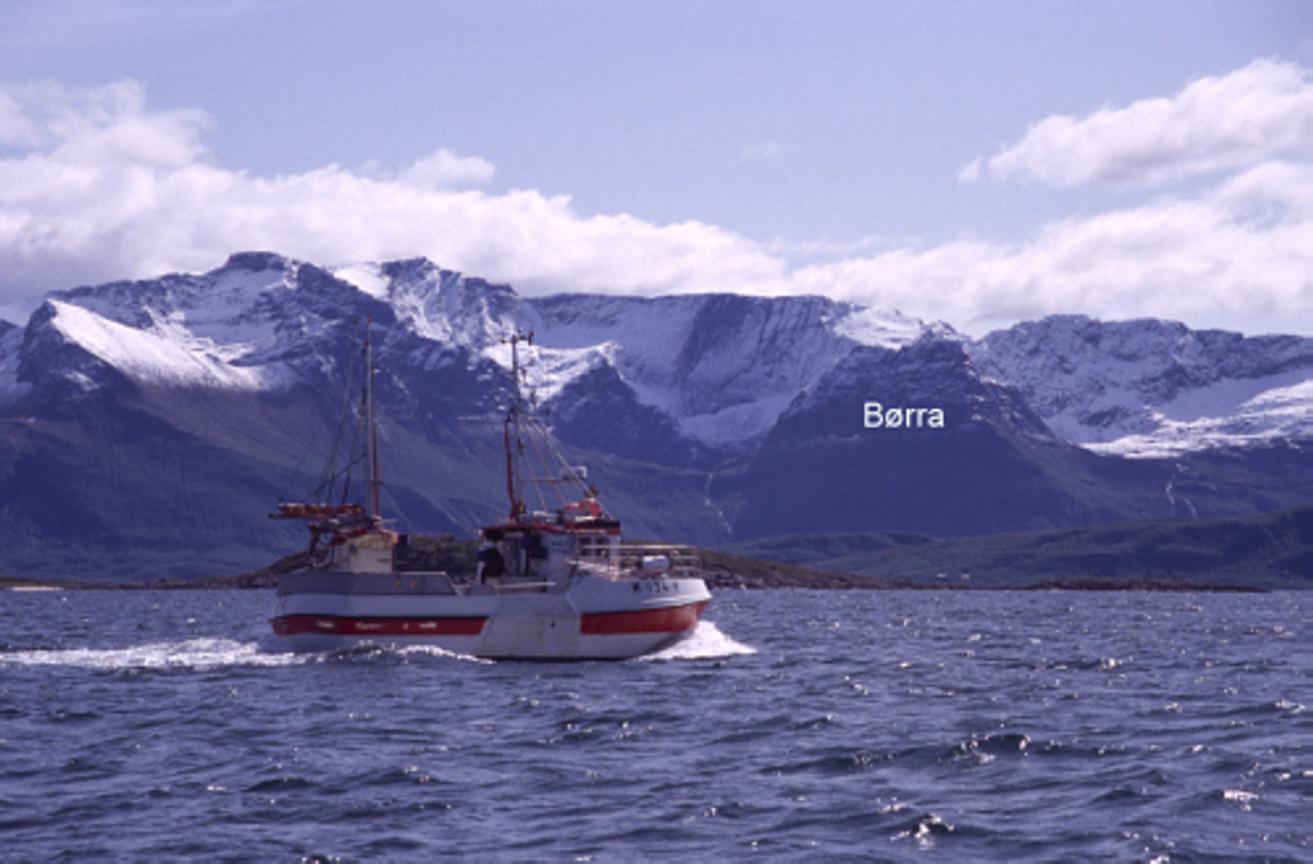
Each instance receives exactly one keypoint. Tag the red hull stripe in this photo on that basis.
(334, 625)
(673, 619)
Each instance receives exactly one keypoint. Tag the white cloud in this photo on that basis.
(103, 188)
(829, 248)
(95, 186)
(1237, 256)
(1261, 112)
(445, 169)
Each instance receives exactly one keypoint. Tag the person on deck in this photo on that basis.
(491, 564)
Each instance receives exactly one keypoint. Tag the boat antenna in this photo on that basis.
(514, 417)
(371, 436)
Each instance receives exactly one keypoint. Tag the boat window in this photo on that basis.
(510, 550)
(537, 549)
(592, 547)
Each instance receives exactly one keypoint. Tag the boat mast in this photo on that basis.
(511, 430)
(371, 437)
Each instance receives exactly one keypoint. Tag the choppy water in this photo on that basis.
(796, 726)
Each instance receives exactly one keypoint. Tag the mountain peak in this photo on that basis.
(409, 268)
(256, 261)
(888, 328)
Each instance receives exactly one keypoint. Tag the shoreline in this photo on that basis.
(716, 583)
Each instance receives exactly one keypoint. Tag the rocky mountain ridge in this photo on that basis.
(154, 421)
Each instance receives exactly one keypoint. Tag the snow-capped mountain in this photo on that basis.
(721, 367)
(1152, 388)
(155, 421)
(724, 367)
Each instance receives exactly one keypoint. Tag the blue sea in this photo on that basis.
(793, 725)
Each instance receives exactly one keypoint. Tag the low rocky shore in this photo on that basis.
(722, 571)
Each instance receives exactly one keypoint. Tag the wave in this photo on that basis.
(198, 654)
(371, 651)
(706, 642)
(210, 653)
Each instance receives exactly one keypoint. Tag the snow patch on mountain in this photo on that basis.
(167, 355)
(1278, 414)
(367, 276)
(444, 306)
(547, 371)
(886, 328)
(235, 316)
(650, 330)
(1147, 385)
(1231, 396)
(245, 311)
(737, 423)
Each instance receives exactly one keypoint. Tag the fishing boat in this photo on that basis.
(552, 582)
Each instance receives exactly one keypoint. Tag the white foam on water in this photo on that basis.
(436, 651)
(705, 642)
(199, 654)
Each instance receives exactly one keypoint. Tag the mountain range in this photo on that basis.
(149, 426)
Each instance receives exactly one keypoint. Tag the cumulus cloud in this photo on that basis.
(99, 187)
(95, 185)
(445, 169)
(1237, 256)
(1261, 112)
(81, 124)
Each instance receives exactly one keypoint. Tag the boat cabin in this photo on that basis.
(545, 547)
(367, 552)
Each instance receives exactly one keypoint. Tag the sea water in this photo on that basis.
(793, 725)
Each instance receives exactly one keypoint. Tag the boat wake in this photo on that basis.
(197, 654)
(435, 651)
(383, 650)
(704, 643)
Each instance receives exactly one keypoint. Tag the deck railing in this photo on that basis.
(643, 560)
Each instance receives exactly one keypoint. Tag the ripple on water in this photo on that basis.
(858, 732)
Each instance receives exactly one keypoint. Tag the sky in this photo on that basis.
(972, 162)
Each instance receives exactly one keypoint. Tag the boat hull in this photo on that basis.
(591, 618)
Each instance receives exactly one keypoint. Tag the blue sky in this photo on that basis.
(761, 147)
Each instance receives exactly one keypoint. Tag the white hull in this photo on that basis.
(588, 617)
